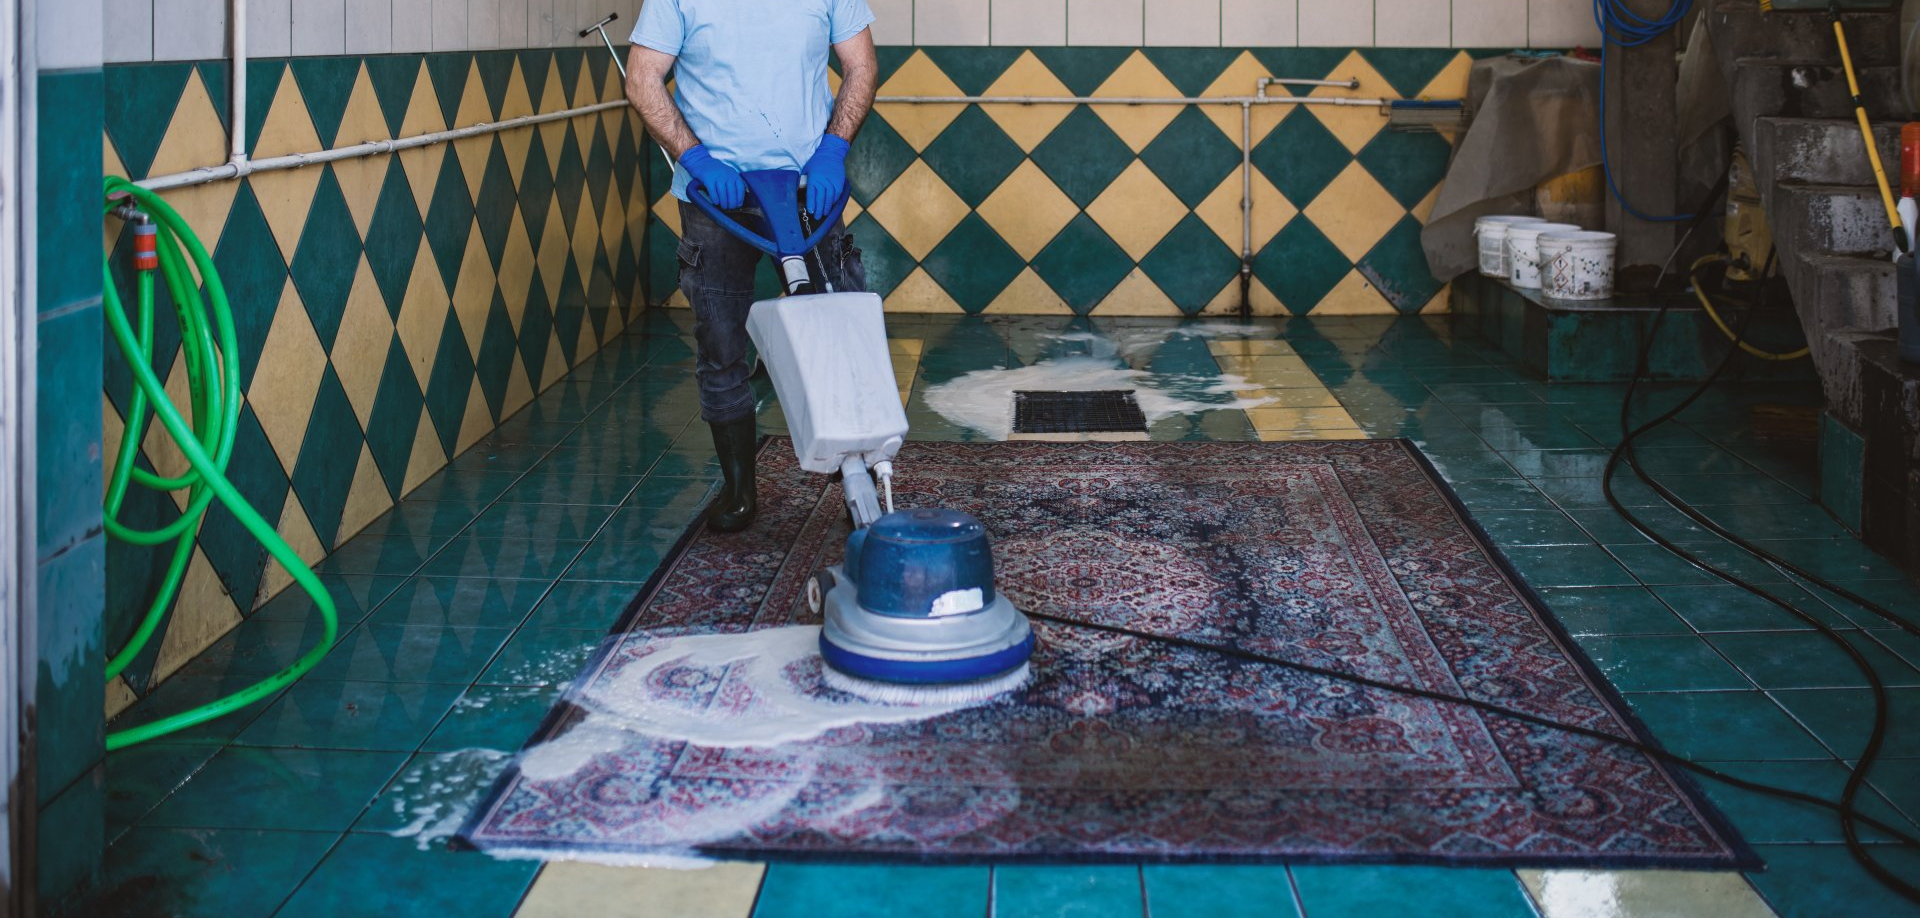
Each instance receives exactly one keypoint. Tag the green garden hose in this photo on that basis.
(213, 385)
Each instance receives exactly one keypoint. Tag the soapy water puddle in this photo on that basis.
(982, 400)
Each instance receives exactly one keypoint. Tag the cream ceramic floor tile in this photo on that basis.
(1293, 398)
(566, 890)
(1350, 433)
(1335, 418)
(1642, 894)
(1267, 348)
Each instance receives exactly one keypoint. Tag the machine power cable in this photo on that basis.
(209, 356)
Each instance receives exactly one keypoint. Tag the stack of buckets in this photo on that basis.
(1561, 260)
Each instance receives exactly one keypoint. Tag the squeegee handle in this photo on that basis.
(589, 29)
(698, 193)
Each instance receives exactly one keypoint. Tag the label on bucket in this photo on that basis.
(959, 602)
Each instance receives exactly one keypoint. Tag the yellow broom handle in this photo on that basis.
(1866, 134)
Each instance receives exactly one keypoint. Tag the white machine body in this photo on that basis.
(827, 355)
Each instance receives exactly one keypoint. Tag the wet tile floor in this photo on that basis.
(467, 609)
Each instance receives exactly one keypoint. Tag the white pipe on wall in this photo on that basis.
(237, 100)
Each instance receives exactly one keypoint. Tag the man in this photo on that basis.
(750, 93)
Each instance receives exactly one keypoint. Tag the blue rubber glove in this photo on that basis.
(826, 174)
(723, 185)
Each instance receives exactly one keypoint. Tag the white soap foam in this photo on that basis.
(983, 399)
(1138, 340)
(435, 795)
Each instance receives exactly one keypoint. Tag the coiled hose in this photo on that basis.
(213, 384)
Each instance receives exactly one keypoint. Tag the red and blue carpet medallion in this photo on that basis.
(1348, 555)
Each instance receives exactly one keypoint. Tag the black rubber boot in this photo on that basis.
(735, 442)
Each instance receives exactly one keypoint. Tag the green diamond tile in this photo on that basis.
(1192, 70)
(1408, 165)
(494, 365)
(263, 84)
(597, 65)
(627, 157)
(1301, 157)
(1083, 68)
(1409, 70)
(494, 206)
(1191, 265)
(496, 71)
(213, 75)
(533, 66)
(973, 68)
(1082, 264)
(568, 60)
(449, 384)
(327, 258)
(325, 85)
(536, 327)
(1397, 267)
(255, 470)
(1302, 64)
(1300, 266)
(887, 263)
(536, 191)
(393, 77)
(321, 478)
(449, 220)
(891, 58)
(973, 156)
(973, 263)
(448, 71)
(1191, 156)
(393, 237)
(250, 267)
(140, 101)
(1082, 155)
(395, 419)
(599, 163)
(569, 177)
(878, 157)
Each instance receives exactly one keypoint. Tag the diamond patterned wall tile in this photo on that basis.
(1191, 157)
(973, 156)
(1137, 125)
(1408, 165)
(139, 107)
(1300, 156)
(918, 210)
(1028, 210)
(1353, 296)
(327, 257)
(1397, 267)
(920, 293)
(326, 84)
(1137, 210)
(879, 158)
(366, 328)
(1027, 125)
(422, 314)
(1354, 125)
(1354, 211)
(252, 272)
(1083, 264)
(1083, 69)
(1221, 211)
(1241, 78)
(280, 398)
(973, 264)
(918, 125)
(1191, 265)
(396, 414)
(1300, 266)
(1083, 155)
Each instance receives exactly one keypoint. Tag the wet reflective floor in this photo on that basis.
(468, 608)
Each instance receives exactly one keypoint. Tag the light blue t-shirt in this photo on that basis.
(751, 75)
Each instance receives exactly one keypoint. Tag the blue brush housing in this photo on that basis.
(920, 563)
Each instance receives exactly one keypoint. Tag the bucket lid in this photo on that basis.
(1576, 237)
(1506, 220)
(1541, 228)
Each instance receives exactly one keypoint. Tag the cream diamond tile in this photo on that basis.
(1272, 417)
(611, 89)
(552, 99)
(1136, 295)
(1293, 398)
(919, 210)
(518, 102)
(473, 151)
(1138, 125)
(585, 346)
(1221, 211)
(1643, 894)
(360, 346)
(423, 163)
(473, 291)
(361, 178)
(1424, 209)
(919, 124)
(613, 227)
(1264, 302)
(1351, 433)
(1028, 125)
(1257, 348)
(292, 362)
(586, 238)
(476, 422)
(556, 362)
(428, 455)
(288, 127)
(516, 270)
(195, 138)
(519, 388)
(667, 210)
(423, 314)
(922, 294)
(202, 613)
(1441, 303)
(567, 889)
(552, 257)
(297, 531)
(1028, 295)
(285, 197)
(1227, 301)
(1028, 210)
(1353, 296)
(584, 92)
(157, 445)
(1451, 81)
(1354, 212)
(120, 696)
(853, 211)
(1354, 125)
(1241, 78)
(1137, 210)
(367, 497)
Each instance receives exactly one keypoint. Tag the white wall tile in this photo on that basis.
(413, 25)
(585, 13)
(540, 24)
(1105, 22)
(129, 31)
(319, 27)
(449, 25)
(189, 30)
(951, 22)
(1261, 23)
(892, 21)
(269, 28)
(1183, 22)
(1029, 22)
(513, 23)
(1414, 23)
(483, 24)
(1490, 23)
(1336, 23)
(1559, 24)
(370, 26)
(68, 34)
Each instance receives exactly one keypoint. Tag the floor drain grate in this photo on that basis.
(1105, 411)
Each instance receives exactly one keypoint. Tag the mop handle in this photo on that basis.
(698, 194)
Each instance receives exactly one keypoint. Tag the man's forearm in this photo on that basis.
(855, 100)
(647, 92)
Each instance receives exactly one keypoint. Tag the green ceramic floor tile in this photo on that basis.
(257, 649)
(625, 562)
(1842, 718)
(562, 488)
(139, 777)
(1742, 726)
(465, 487)
(248, 787)
(384, 716)
(378, 875)
(1218, 891)
(436, 601)
(1369, 892)
(1532, 527)
(1611, 610)
(1067, 892)
(1661, 663)
(1486, 495)
(234, 873)
(1901, 599)
(433, 794)
(1725, 607)
(502, 559)
(413, 517)
(354, 595)
(583, 605)
(412, 653)
(1568, 566)
(1764, 819)
(492, 717)
(1556, 463)
(1822, 881)
(1805, 659)
(1655, 565)
(546, 656)
(667, 492)
(186, 692)
(873, 891)
(398, 557)
(540, 522)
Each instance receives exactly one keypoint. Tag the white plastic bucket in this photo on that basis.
(1523, 251)
(1576, 265)
(1491, 232)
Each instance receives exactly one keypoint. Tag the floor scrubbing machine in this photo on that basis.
(912, 614)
